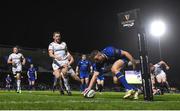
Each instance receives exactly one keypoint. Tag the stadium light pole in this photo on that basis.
(157, 29)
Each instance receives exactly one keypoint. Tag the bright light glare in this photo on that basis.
(157, 28)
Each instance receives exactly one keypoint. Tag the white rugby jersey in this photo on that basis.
(157, 69)
(16, 58)
(59, 50)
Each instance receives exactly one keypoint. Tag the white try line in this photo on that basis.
(81, 101)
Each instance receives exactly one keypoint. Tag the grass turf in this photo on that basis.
(106, 101)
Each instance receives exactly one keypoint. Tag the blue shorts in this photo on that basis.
(84, 75)
(100, 77)
(32, 79)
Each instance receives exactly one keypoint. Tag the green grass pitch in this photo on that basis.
(106, 101)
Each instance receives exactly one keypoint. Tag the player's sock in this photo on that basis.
(81, 87)
(60, 85)
(166, 85)
(18, 84)
(122, 79)
(100, 87)
(66, 84)
(162, 88)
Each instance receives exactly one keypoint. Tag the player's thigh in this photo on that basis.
(57, 73)
(117, 66)
(64, 70)
(159, 78)
(33, 82)
(82, 80)
(98, 81)
(87, 80)
(18, 75)
(153, 79)
(164, 79)
(115, 80)
(102, 82)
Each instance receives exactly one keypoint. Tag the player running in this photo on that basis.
(83, 68)
(59, 53)
(161, 75)
(17, 59)
(32, 76)
(119, 58)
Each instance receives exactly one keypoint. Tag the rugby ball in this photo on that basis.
(90, 93)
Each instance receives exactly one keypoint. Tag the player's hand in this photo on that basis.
(167, 68)
(77, 73)
(58, 58)
(133, 63)
(13, 63)
(86, 90)
(23, 63)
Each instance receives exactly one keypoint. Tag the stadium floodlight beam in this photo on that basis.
(157, 28)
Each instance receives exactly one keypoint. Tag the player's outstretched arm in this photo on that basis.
(129, 56)
(164, 63)
(23, 60)
(70, 58)
(9, 61)
(93, 79)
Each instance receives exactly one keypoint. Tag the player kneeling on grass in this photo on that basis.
(32, 76)
(119, 59)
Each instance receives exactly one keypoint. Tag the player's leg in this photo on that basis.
(57, 74)
(160, 83)
(102, 85)
(115, 82)
(66, 84)
(32, 84)
(98, 84)
(165, 83)
(116, 69)
(18, 78)
(82, 85)
(54, 83)
(86, 81)
(82, 76)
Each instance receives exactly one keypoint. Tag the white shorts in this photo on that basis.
(70, 71)
(161, 75)
(58, 64)
(17, 69)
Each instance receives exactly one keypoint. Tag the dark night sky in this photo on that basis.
(88, 25)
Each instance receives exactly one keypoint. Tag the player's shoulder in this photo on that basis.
(51, 44)
(19, 54)
(108, 48)
(11, 54)
(63, 43)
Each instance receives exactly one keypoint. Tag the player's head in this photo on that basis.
(57, 36)
(97, 56)
(83, 57)
(31, 65)
(15, 49)
(8, 75)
